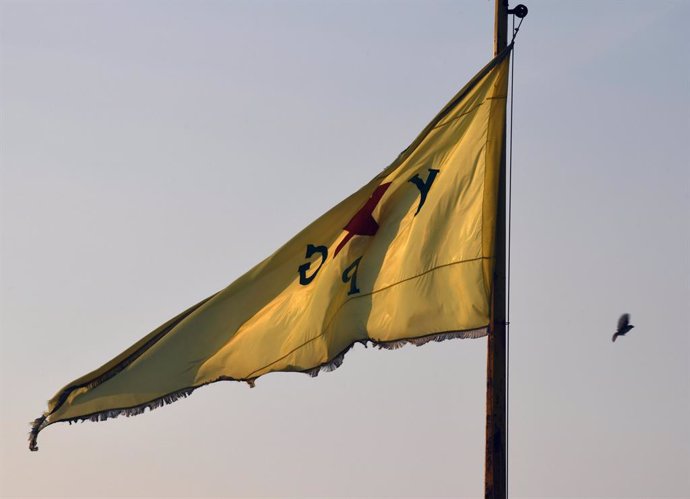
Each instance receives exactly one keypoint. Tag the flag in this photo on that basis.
(407, 258)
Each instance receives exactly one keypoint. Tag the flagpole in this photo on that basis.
(496, 458)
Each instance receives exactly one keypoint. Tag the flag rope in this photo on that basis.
(510, 219)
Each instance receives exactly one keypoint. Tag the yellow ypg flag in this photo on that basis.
(406, 258)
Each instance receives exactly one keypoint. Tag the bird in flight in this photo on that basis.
(623, 326)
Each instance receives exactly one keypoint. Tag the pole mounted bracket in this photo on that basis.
(520, 11)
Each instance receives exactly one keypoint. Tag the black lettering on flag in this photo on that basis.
(304, 279)
(350, 275)
(424, 186)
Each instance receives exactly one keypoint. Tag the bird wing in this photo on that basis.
(623, 321)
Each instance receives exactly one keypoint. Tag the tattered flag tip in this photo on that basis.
(36, 426)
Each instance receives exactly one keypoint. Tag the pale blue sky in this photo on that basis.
(152, 151)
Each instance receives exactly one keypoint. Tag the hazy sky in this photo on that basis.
(152, 151)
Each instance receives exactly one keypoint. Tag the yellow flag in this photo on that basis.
(407, 258)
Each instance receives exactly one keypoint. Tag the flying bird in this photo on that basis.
(623, 326)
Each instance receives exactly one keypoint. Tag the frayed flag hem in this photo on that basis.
(41, 422)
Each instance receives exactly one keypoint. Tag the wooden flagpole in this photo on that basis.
(496, 458)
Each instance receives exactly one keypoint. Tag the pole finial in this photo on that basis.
(520, 11)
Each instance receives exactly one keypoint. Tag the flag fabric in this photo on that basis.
(407, 258)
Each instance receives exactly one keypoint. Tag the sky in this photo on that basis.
(152, 152)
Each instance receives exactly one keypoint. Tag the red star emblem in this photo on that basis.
(363, 223)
